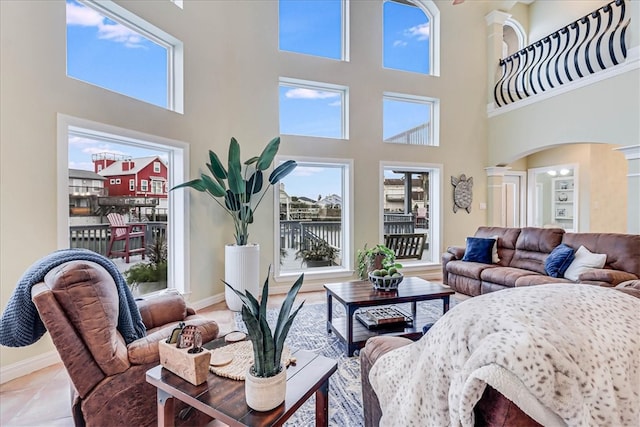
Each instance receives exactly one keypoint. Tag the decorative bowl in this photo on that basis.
(387, 283)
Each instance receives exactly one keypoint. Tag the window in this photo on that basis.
(83, 145)
(313, 217)
(118, 181)
(132, 185)
(407, 37)
(410, 119)
(112, 181)
(314, 27)
(411, 205)
(313, 109)
(156, 187)
(156, 167)
(110, 47)
(144, 185)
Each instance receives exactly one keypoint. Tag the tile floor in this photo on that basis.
(43, 397)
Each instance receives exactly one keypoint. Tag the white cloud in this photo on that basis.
(421, 32)
(335, 103)
(306, 171)
(399, 43)
(107, 30)
(103, 148)
(86, 166)
(302, 93)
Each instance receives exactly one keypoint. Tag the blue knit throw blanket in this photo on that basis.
(21, 324)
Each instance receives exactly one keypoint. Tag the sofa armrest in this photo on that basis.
(162, 309)
(611, 277)
(456, 251)
(373, 350)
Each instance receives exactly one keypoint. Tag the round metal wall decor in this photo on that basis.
(462, 192)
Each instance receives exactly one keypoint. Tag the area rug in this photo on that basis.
(309, 332)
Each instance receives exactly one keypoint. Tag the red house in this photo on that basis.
(128, 177)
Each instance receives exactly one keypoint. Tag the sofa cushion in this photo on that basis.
(505, 276)
(478, 250)
(559, 260)
(468, 269)
(584, 260)
(506, 242)
(533, 246)
(539, 279)
(623, 250)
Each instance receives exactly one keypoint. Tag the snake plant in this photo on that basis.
(267, 345)
(240, 192)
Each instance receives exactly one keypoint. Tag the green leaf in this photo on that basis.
(236, 183)
(279, 345)
(232, 201)
(196, 184)
(252, 160)
(254, 185)
(257, 338)
(216, 167)
(286, 306)
(212, 186)
(269, 152)
(282, 170)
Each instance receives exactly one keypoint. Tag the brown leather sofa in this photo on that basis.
(78, 303)
(523, 251)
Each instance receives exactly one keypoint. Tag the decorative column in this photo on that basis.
(632, 154)
(495, 23)
(496, 211)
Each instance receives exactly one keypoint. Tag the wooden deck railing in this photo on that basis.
(96, 237)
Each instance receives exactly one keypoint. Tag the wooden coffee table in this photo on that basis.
(224, 399)
(355, 295)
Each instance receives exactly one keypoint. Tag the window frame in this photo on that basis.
(325, 87)
(144, 186)
(434, 131)
(436, 197)
(174, 47)
(132, 185)
(178, 274)
(347, 251)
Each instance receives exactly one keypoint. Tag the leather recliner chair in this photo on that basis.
(78, 303)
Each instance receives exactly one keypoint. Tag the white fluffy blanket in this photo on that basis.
(565, 354)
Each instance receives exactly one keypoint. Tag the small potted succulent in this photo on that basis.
(266, 379)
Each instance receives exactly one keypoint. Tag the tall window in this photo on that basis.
(313, 109)
(407, 37)
(411, 205)
(313, 206)
(110, 47)
(106, 154)
(314, 27)
(410, 119)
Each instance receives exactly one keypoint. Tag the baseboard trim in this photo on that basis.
(28, 366)
(215, 299)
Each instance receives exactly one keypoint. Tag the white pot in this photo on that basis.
(242, 271)
(264, 394)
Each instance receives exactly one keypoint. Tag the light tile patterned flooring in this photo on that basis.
(43, 398)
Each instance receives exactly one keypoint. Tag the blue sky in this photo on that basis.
(107, 54)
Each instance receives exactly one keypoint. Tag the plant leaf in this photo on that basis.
(282, 170)
(254, 185)
(212, 186)
(257, 338)
(216, 167)
(232, 201)
(267, 155)
(252, 160)
(236, 183)
(279, 339)
(196, 184)
(286, 306)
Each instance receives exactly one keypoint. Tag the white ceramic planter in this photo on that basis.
(264, 394)
(242, 271)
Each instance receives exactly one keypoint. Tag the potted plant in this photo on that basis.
(317, 253)
(376, 258)
(265, 383)
(238, 189)
(152, 274)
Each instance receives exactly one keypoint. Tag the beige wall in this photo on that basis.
(602, 183)
(232, 66)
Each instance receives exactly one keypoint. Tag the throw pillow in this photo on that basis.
(559, 260)
(583, 261)
(478, 250)
(494, 252)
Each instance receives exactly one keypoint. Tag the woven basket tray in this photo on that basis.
(242, 358)
(385, 283)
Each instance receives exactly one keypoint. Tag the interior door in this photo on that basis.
(513, 214)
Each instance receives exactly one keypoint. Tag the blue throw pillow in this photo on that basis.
(478, 250)
(559, 260)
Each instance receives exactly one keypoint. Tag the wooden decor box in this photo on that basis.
(192, 367)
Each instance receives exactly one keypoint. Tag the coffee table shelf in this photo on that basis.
(355, 295)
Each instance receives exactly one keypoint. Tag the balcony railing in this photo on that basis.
(96, 237)
(592, 43)
(83, 190)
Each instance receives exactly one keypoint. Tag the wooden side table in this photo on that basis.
(224, 399)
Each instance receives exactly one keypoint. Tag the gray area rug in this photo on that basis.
(309, 333)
